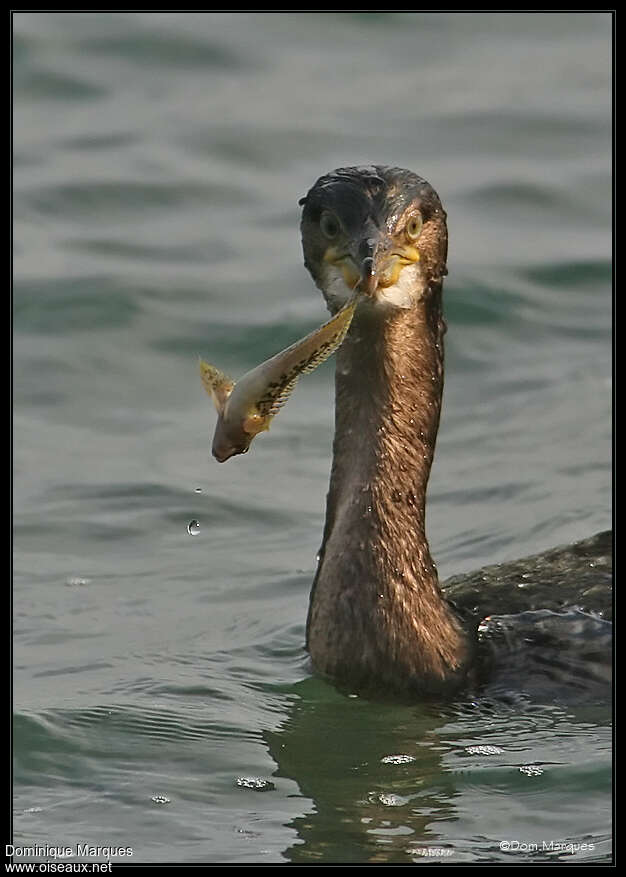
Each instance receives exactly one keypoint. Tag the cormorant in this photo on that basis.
(378, 617)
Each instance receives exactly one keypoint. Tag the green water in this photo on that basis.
(158, 161)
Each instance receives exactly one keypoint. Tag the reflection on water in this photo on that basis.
(401, 783)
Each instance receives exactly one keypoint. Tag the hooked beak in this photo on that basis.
(373, 263)
(380, 262)
(367, 255)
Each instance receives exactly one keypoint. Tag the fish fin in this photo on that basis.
(280, 397)
(255, 423)
(334, 331)
(217, 384)
(305, 356)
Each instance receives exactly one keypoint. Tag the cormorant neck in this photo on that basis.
(377, 613)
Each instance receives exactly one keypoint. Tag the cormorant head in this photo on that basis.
(380, 228)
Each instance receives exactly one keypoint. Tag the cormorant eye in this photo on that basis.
(414, 226)
(329, 225)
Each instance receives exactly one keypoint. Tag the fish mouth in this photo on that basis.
(222, 454)
(224, 446)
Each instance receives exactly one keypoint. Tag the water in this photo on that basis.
(162, 697)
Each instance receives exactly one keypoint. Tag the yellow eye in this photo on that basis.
(414, 226)
(329, 225)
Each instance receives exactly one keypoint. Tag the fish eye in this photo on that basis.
(329, 225)
(414, 226)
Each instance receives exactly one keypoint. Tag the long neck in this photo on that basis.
(376, 610)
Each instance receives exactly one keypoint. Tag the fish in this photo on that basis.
(247, 407)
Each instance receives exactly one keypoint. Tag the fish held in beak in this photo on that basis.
(247, 407)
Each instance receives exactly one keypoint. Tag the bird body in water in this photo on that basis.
(378, 617)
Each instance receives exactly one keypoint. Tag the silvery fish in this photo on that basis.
(247, 407)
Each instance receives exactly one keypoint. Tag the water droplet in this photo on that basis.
(484, 750)
(396, 496)
(257, 784)
(193, 528)
(397, 759)
(75, 581)
(391, 800)
(531, 770)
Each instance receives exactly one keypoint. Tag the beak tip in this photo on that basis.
(369, 278)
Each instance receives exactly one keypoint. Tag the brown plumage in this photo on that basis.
(377, 616)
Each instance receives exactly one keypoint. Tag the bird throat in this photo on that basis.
(377, 616)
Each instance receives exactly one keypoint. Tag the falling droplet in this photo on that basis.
(73, 581)
(193, 528)
(257, 784)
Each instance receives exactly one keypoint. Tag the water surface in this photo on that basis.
(158, 161)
